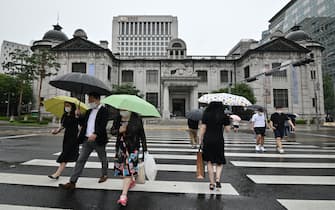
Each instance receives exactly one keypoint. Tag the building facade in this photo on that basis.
(174, 83)
(143, 36)
(8, 47)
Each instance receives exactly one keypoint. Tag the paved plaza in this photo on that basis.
(302, 178)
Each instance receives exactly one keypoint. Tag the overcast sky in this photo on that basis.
(209, 27)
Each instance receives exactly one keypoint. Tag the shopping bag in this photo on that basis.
(150, 167)
(140, 179)
(200, 174)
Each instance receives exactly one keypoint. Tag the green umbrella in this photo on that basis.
(132, 103)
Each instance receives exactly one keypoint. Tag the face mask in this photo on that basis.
(67, 109)
(92, 105)
(125, 113)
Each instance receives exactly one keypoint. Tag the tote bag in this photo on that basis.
(150, 167)
(140, 179)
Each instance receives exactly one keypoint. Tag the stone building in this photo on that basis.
(174, 83)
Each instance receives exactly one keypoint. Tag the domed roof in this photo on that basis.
(297, 34)
(55, 35)
(80, 33)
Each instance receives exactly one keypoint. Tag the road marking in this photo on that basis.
(95, 165)
(17, 207)
(307, 204)
(116, 184)
(228, 154)
(18, 136)
(282, 164)
(288, 179)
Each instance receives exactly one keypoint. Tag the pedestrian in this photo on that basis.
(130, 134)
(193, 126)
(70, 151)
(211, 136)
(258, 125)
(93, 136)
(277, 124)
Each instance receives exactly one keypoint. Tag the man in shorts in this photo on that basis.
(258, 124)
(277, 124)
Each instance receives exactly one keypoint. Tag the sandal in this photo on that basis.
(218, 185)
(211, 186)
(122, 200)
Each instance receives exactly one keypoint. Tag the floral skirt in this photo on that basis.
(125, 164)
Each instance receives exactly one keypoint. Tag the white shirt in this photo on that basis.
(91, 121)
(258, 120)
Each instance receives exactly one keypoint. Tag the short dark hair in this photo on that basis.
(94, 95)
(260, 109)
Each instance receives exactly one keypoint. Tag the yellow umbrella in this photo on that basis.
(55, 105)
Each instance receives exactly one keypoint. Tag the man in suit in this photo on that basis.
(93, 136)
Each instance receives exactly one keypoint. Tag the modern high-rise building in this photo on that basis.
(8, 47)
(143, 36)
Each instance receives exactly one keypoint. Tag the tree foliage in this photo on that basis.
(240, 89)
(328, 92)
(126, 89)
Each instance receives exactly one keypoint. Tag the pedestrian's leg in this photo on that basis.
(191, 133)
(279, 144)
(218, 172)
(123, 197)
(60, 169)
(210, 174)
(82, 159)
(101, 150)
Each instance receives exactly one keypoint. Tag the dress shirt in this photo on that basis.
(91, 121)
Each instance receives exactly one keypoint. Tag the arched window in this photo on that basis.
(176, 45)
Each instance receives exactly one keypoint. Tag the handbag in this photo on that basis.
(140, 179)
(200, 173)
(150, 167)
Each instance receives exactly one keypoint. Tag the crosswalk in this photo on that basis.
(174, 154)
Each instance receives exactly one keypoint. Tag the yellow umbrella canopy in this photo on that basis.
(55, 105)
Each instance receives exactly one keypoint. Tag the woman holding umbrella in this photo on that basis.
(130, 133)
(70, 150)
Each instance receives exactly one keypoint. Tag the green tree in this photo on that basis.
(126, 89)
(328, 92)
(44, 65)
(240, 89)
(20, 68)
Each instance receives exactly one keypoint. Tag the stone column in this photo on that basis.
(194, 98)
(166, 102)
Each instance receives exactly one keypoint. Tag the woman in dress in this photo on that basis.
(211, 136)
(130, 134)
(70, 151)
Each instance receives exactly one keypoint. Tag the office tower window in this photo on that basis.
(127, 76)
(152, 98)
(246, 72)
(202, 75)
(152, 76)
(280, 98)
(224, 76)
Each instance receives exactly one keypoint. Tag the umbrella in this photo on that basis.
(255, 107)
(132, 103)
(80, 83)
(55, 105)
(290, 115)
(195, 114)
(235, 117)
(225, 98)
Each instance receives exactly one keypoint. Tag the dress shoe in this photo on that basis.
(68, 186)
(103, 179)
(53, 177)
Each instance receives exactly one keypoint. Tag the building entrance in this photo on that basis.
(178, 107)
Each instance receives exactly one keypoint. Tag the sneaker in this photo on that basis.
(103, 179)
(257, 148)
(280, 150)
(263, 149)
(122, 200)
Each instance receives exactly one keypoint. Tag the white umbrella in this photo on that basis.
(225, 98)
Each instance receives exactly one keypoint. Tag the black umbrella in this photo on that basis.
(195, 114)
(80, 83)
(292, 116)
(255, 107)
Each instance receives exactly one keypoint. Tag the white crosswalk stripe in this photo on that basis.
(18, 207)
(291, 204)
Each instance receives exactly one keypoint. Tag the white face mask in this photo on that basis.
(125, 113)
(67, 109)
(92, 105)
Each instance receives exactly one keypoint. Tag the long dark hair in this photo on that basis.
(73, 108)
(216, 111)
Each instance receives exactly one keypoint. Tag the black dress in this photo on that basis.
(70, 151)
(213, 141)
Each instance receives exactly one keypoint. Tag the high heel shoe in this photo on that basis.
(53, 177)
(218, 184)
(211, 186)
